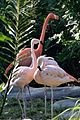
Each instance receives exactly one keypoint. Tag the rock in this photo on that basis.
(64, 104)
(35, 93)
(69, 115)
(58, 92)
(63, 92)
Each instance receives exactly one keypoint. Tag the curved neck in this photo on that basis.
(41, 64)
(50, 16)
(34, 61)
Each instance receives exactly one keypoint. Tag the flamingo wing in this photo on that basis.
(21, 76)
(54, 76)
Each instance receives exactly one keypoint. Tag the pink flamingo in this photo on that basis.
(23, 75)
(51, 75)
(24, 56)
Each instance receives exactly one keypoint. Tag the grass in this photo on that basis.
(12, 110)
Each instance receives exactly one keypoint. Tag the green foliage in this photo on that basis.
(12, 109)
(1, 87)
(16, 29)
(69, 57)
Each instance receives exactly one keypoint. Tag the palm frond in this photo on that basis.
(16, 31)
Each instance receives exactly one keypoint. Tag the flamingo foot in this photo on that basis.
(24, 116)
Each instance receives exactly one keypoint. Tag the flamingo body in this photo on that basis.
(51, 74)
(24, 77)
(55, 76)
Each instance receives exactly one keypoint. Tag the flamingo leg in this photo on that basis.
(18, 95)
(45, 93)
(51, 102)
(30, 96)
(24, 105)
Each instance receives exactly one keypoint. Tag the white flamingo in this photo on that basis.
(51, 75)
(37, 76)
(24, 75)
(47, 61)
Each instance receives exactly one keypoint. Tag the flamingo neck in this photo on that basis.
(50, 16)
(41, 64)
(34, 61)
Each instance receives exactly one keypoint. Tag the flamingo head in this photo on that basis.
(43, 59)
(40, 59)
(35, 41)
(53, 16)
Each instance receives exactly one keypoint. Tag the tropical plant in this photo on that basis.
(16, 31)
(69, 57)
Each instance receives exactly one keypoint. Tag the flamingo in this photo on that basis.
(48, 61)
(51, 75)
(24, 56)
(23, 75)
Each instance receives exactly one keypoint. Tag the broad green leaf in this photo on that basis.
(4, 38)
(2, 86)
